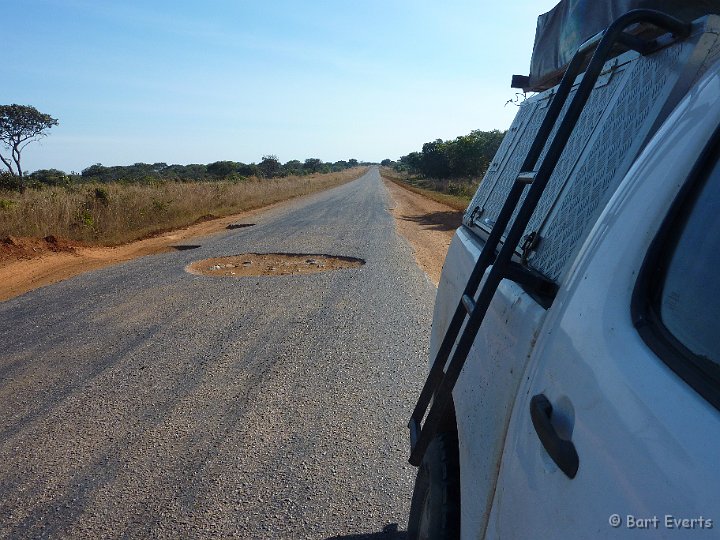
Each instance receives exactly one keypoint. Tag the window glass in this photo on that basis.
(690, 296)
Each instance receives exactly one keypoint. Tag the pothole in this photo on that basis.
(271, 264)
(239, 225)
(183, 247)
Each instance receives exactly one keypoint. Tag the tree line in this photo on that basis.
(22, 124)
(269, 167)
(467, 156)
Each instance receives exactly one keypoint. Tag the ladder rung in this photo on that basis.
(469, 304)
(526, 177)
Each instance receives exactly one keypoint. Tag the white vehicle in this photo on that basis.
(575, 356)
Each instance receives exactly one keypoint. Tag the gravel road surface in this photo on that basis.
(141, 401)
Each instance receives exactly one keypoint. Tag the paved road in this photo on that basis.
(143, 401)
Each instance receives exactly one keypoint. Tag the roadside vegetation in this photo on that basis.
(432, 189)
(447, 171)
(109, 206)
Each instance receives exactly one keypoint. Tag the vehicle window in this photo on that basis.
(689, 298)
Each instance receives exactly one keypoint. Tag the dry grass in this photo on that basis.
(458, 202)
(111, 214)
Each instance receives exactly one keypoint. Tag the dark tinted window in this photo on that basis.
(689, 299)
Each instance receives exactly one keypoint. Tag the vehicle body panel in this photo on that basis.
(646, 440)
(485, 391)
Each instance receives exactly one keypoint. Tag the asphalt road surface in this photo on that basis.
(143, 401)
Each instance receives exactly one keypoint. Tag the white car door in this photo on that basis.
(616, 429)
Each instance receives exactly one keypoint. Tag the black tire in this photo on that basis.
(435, 506)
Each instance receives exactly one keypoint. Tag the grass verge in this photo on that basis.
(427, 189)
(116, 213)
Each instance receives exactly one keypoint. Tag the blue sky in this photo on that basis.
(195, 82)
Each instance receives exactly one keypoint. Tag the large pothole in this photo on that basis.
(271, 264)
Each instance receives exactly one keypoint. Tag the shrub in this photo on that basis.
(9, 181)
(6, 204)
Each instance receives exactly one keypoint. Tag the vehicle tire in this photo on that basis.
(435, 506)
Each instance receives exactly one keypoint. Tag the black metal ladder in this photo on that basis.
(440, 382)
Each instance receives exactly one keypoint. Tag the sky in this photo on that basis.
(180, 81)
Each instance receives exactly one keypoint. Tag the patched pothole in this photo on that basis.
(271, 264)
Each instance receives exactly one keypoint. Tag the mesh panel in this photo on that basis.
(630, 100)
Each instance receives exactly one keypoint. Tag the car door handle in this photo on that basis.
(561, 451)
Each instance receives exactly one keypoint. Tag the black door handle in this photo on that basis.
(562, 452)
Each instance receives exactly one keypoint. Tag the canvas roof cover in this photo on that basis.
(568, 25)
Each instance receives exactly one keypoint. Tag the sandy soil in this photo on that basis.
(427, 225)
(29, 263)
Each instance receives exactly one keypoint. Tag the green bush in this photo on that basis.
(7, 204)
(9, 181)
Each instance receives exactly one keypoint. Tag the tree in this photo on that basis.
(312, 165)
(247, 170)
(412, 162)
(96, 170)
(467, 156)
(221, 168)
(50, 177)
(269, 166)
(19, 126)
(294, 166)
(435, 163)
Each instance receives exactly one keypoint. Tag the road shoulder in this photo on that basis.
(427, 225)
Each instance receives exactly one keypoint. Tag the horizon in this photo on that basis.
(179, 84)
